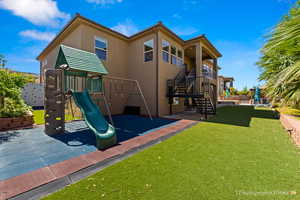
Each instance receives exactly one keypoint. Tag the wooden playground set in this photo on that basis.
(79, 79)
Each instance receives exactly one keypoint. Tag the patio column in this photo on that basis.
(215, 76)
(215, 67)
(198, 67)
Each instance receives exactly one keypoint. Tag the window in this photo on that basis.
(173, 55)
(101, 48)
(166, 51)
(148, 50)
(179, 58)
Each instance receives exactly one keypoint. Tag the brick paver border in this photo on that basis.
(51, 178)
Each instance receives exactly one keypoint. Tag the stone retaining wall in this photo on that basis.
(292, 125)
(16, 123)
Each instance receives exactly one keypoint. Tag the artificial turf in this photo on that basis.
(241, 153)
(38, 117)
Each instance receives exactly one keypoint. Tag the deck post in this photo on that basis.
(171, 105)
(198, 67)
(216, 89)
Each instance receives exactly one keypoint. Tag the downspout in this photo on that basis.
(157, 76)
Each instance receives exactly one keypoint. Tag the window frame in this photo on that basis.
(164, 51)
(148, 51)
(174, 55)
(181, 59)
(99, 48)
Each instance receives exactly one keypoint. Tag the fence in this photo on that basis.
(33, 94)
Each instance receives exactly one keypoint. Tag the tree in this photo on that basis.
(2, 61)
(244, 91)
(11, 102)
(280, 61)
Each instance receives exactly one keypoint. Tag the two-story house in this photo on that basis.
(173, 73)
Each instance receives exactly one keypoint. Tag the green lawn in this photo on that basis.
(241, 153)
(38, 117)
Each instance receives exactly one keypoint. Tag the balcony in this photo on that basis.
(211, 74)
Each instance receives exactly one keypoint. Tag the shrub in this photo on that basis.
(289, 111)
(11, 102)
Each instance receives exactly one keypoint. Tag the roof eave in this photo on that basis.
(158, 26)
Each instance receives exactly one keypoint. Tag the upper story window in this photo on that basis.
(148, 50)
(179, 58)
(173, 55)
(101, 48)
(166, 51)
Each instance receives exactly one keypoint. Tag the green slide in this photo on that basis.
(104, 132)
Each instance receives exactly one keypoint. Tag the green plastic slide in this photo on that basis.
(104, 132)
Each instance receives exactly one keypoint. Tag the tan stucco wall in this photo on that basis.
(190, 64)
(126, 60)
(144, 72)
(73, 40)
(167, 71)
(116, 62)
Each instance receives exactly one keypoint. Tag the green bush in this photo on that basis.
(11, 102)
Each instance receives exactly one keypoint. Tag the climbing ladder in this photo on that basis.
(54, 102)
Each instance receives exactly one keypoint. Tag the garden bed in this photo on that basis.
(16, 122)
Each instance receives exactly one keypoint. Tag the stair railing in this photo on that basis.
(180, 77)
(173, 83)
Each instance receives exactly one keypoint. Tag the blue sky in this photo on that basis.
(237, 28)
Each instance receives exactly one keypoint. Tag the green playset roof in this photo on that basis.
(77, 59)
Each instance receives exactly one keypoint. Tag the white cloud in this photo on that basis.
(38, 12)
(184, 31)
(127, 28)
(104, 2)
(37, 35)
(176, 16)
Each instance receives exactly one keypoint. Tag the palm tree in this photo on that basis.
(280, 61)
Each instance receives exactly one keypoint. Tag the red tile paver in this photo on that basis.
(20, 184)
(70, 166)
(96, 156)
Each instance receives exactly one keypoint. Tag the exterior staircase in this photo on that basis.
(183, 85)
(204, 106)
